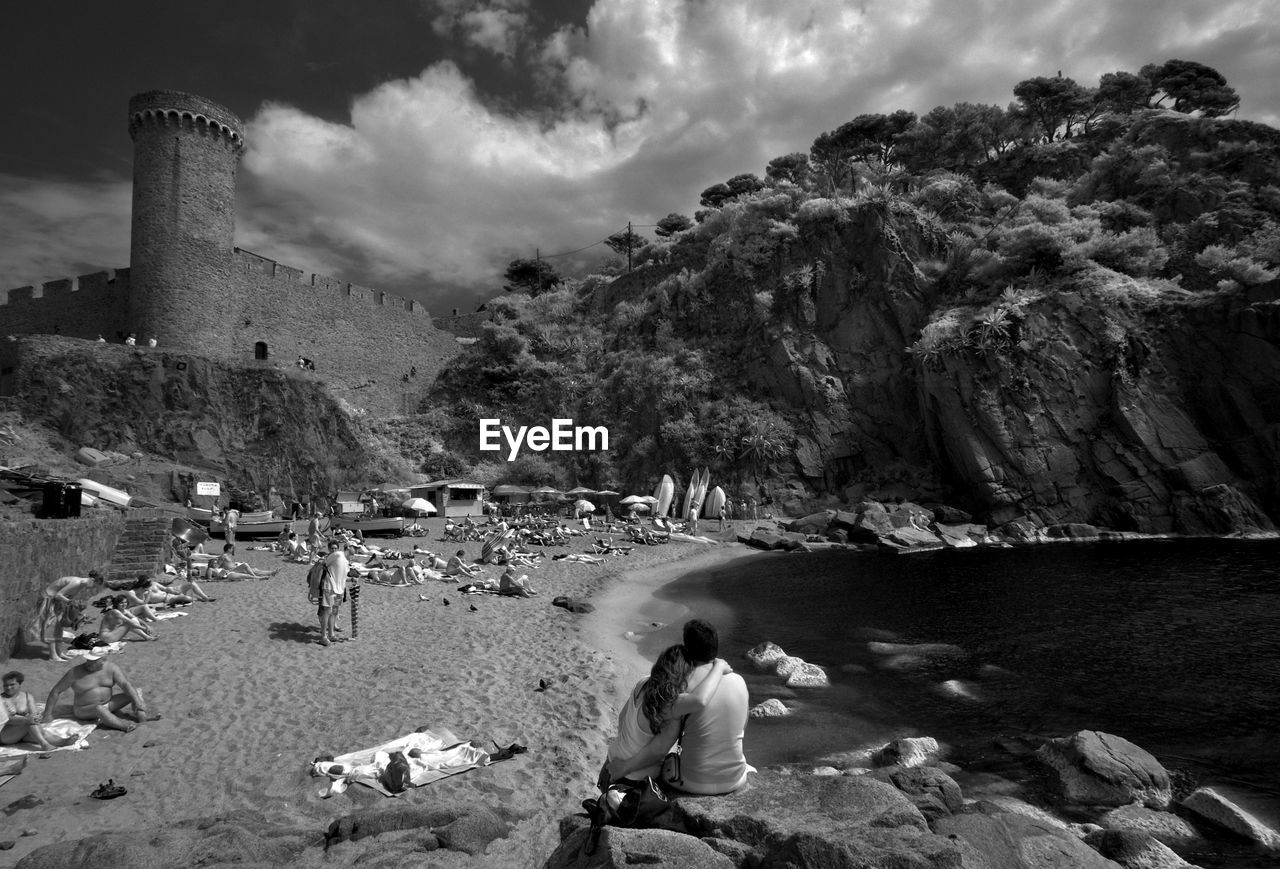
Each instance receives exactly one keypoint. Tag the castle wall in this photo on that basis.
(362, 341)
(84, 307)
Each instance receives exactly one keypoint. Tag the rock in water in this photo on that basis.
(1223, 807)
(914, 751)
(1100, 769)
(765, 654)
(807, 676)
(787, 665)
(771, 708)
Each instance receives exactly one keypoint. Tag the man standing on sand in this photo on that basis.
(332, 590)
(711, 759)
(229, 521)
(93, 683)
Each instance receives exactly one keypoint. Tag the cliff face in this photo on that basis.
(258, 428)
(1102, 398)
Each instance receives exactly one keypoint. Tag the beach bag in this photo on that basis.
(671, 773)
(635, 806)
(315, 581)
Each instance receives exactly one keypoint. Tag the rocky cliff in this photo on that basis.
(1091, 397)
(257, 428)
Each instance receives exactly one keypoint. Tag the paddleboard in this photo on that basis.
(714, 504)
(700, 492)
(694, 477)
(665, 493)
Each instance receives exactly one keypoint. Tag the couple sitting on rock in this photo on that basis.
(689, 690)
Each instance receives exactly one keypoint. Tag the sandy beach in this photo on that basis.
(249, 698)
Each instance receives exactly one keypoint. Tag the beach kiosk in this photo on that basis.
(452, 497)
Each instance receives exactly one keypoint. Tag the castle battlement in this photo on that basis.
(186, 111)
(65, 288)
(288, 276)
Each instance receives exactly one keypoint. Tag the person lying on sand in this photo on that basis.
(146, 593)
(18, 721)
(119, 624)
(184, 586)
(226, 567)
(579, 557)
(515, 586)
(93, 682)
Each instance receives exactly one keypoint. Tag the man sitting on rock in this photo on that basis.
(712, 761)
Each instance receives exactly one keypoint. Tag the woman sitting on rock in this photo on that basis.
(653, 712)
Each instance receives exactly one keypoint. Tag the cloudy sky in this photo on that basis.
(420, 145)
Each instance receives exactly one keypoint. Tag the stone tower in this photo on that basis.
(185, 153)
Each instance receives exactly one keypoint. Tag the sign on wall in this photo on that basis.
(208, 489)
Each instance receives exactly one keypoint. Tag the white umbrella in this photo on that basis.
(633, 499)
(584, 506)
(640, 507)
(580, 490)
(419, 505)
(608, 492)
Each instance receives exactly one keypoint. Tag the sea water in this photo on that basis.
(1173, 645)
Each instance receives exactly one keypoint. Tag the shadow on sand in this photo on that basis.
(294, 631)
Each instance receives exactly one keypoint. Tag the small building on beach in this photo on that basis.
(452, 497)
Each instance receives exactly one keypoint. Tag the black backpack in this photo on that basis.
(636, 806)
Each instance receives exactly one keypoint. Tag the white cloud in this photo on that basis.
(432, 185)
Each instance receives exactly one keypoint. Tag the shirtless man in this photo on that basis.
(93, 682)
(62, 601)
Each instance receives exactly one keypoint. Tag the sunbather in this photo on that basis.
(456, 567)
(515, 586)
(227, 568)
(120, 624)
(18, 721)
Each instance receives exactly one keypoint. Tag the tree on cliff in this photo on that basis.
(1123, 92)
(956, 137)
(789, 167)
(671, 224)
(534, 276)
(1053, 103)
(865, 138)
(1192, 86)
(626, 242)
(739, 185)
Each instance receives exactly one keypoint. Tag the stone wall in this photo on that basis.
(35, 552)
(84, 307)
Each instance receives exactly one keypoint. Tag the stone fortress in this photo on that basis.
(191, 289)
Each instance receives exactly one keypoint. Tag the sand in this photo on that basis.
(249, 699)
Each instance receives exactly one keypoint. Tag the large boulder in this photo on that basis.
(909, 515)
(1011, 841)
(821, 821)
(814, 523)
(1099, 769)
(619, 848)
(1135, 850)
(1164, 826)
(930, 789)
(912, 537)
(909, 752)
(1231, 809)
(1077, 531)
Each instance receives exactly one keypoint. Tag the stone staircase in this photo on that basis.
(141, 547)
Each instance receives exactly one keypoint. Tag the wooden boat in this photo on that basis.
(366, 525)
(204, 516)
(105, 493)
(252, 529)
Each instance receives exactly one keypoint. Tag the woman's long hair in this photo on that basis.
(666, 680)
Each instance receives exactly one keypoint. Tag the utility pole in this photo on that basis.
(630, 238)
(537, 258)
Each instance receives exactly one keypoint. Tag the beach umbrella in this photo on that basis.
(640, 507)
(493, 541)
(584, 506)
(649, 499)
(507, 489)
(580, 490)
(546, 490)
(419, 505)
(607, 492)
(632, 499)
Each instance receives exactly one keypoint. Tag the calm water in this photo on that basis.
(1172, 645)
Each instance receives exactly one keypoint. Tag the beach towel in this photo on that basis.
(160, 617)
(440, 754)
(56, 730)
